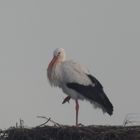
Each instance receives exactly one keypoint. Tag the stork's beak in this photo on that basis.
(52, 62)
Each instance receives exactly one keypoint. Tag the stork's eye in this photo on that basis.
(59, 53)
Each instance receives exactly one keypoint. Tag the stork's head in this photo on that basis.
(59, 54)
(58, 57)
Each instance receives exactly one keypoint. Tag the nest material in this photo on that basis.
(72, 133)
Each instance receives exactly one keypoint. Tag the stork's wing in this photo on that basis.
(93, 93)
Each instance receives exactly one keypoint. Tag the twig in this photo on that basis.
(43, 124)
(129, 117)
(48, 119)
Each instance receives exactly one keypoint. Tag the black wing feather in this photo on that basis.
(93, 93)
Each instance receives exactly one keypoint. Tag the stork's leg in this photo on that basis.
(66, 99)
(77, 110)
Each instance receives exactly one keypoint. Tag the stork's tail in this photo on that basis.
(100, 95)
(106, 104)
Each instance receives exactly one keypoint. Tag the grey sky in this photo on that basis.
(102, 35)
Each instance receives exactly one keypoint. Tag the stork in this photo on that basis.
(77, 82)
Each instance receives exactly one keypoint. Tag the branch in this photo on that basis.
(48, 120)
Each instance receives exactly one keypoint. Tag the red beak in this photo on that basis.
(52, 62)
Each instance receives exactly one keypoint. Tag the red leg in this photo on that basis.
(77, 110)
(66, 99)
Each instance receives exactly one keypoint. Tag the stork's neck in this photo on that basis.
(60, 60)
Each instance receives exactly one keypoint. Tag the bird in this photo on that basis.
(77, 83)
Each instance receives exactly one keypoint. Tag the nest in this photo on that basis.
(72, 133)
(61, 132)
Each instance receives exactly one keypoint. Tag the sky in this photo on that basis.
(102, 35)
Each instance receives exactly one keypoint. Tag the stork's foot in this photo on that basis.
(79, 125)
(67, 99)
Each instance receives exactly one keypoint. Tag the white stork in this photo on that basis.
(76, 81)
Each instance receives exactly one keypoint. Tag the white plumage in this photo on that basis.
(76, 81)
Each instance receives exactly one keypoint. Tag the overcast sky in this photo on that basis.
(103, 35)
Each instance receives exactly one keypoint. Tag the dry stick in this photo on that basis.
(43, 124)
(128, 117)
(48, 119)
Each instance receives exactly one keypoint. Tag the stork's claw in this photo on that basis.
(67, 99)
